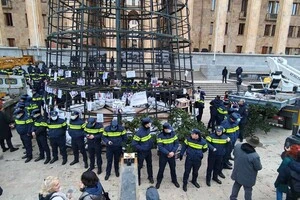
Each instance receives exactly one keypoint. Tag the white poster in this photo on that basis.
(100, 117)
(59, 94)
(73, 94)
(68, 74)
(60, 72)
(89, 106)
(105, 75)
(130, 74)
(186, 73)
(139, 98)
(49, 74)
(80, 81)
(55, 76)
(82, 94)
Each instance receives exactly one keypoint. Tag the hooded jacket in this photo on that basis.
(246, 165)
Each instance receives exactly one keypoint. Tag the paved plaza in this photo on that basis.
(22, 181)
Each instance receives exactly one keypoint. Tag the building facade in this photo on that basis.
(228, 26)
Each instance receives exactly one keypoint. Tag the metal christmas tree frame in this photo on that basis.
(149, 41)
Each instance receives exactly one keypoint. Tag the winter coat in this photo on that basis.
(218, 142)
(281, 183)
(116, 137)
(194, 148)
(24, 125)
(92, 193)
(56, 128)
(243, 111)
(76, 128)
(142, 140)
(5, 132)
(246, 165)
(167, 142)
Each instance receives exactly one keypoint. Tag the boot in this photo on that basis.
(74, 162)
(5, 149)
(184, 187)
(64, 161)
(24, 157)
(47, 161)
(176, 184)
(28, 159)
(217, 180)
(157, 185)
(208, 183)
(86, 165)
(222, 175)
(106, 177)
(53, 160)
(151, 180)
(117, 174)
(99, 171)
(38, 159)
(91, 168)
(195, 184)
(13, 149)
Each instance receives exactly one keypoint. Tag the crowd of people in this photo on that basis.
(226, 124)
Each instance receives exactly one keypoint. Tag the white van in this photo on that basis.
(13, 85)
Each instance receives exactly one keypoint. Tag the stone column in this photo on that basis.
(282, 26)
(219, 25)
(252, 23)
(35, 23)
(2, 25)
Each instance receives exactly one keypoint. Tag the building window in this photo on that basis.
(229, 6)
(295, 9)
(270, 30)
(298, 33)
(26, 20)
(11, 42)
(213, 4)
(273, 7)
(8, 19)
(291, 31)
(46, 44)
(287, 50)
(211, 28)
(241, 29)
(264, 50)
(226, 28)
(244, 6)
(28, 42)
(224, 48)
(209, 47)
(239, 49)
(44, 1)
(267, 30)
(45, 19)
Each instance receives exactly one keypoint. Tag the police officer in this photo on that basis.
(37, 99)
(143, 143)
(93, 132)
(39, 130)
(217, 148)
(57, 135)
(114, 137)
(23, 124)
(75, 129)
(168, 144)
(195, 146)
(214, 105)
(230, 129)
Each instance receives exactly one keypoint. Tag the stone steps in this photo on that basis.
(212, 89)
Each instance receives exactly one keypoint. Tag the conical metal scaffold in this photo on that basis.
(131, 56)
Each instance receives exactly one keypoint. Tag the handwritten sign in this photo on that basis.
(139, 98)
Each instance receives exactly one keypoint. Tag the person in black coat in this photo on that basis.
(5, 133)
(224, 75)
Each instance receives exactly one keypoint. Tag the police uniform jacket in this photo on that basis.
(39, 126)
(142, 140)
(218, 142)
(167, 142)
(97, 131)
(56, 128)
(230, 127)
(194, 148)
(37, 99)
(24, 124)
(76, 128)
(116, 137)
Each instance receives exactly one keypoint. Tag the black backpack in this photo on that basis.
(295, 181)
(48, 197)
